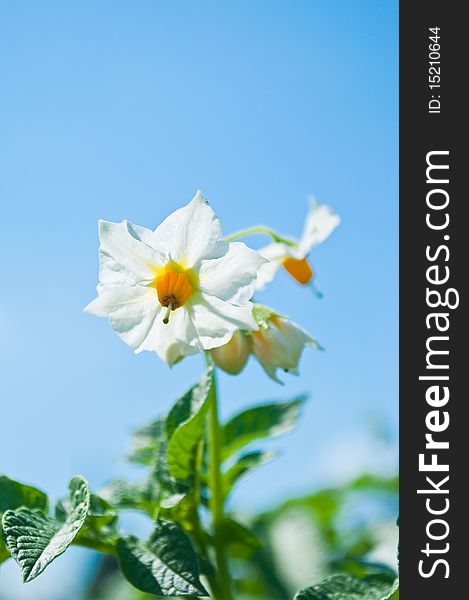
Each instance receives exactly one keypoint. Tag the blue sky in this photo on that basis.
(123, 110)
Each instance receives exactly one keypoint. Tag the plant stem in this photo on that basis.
(223, 591)
(198, 531)
(263, 230)
(257, 229)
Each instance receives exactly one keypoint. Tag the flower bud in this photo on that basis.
(233, 356)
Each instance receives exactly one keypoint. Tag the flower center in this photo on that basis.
(299, 269)
(173, 290)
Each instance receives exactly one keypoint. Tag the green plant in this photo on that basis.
(178, 291)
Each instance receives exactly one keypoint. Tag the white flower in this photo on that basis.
(320, 223)
(277, 343)
(177, 290)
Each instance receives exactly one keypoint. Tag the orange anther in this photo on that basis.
(299, 269)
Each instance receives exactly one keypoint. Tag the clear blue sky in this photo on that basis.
(123, 110)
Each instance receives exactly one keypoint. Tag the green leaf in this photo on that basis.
(150, 449)
(160, 475)
(357, 566)
(99, 530)
(182, 510)
(241, 542)
(243, 466)
(186, 426)
(4, 554)
(394, 594)
(347, 587)
(101, 513)
(146, 441)
(160, 489)
(265, 420)
(14, 494)
(126, 495)
(35, 540)
(185, 407)
(375, 483)
(164, 565)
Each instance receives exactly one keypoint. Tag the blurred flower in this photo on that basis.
(177, 290)
(233, 356)
(277, 343)
(292, 255)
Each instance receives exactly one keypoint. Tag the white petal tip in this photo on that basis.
(88, 309)
(199, 197)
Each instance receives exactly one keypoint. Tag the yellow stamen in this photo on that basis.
(299, 269)
(173, 290)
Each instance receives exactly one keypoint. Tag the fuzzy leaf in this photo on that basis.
(182, 510)
(35, 540)
(347, 587)
(146, 442)
(242, 467)
(241, 542)
(185, 407)
(164, 565)
(14, 494)
(265, 420)
(124, 494)
(99, 530)
(150, 449)
(185, 426)
(394, 594)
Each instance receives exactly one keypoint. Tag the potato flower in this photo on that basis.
(177, 290)
(277, 343)
(292, 255)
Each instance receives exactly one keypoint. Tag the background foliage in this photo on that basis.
(296, 544)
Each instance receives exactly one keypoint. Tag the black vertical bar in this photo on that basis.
(433, 120)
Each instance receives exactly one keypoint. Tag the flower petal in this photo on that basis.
(174, 340)
(125, 257)
(231, 277)
(191, 233)
(280, 346)
(217, 320)
(130, 310)
(274, 254)
(320, 223)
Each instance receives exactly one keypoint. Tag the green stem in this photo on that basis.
(223, 591)
(198, 531)
(257, 229)
(262, 230)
